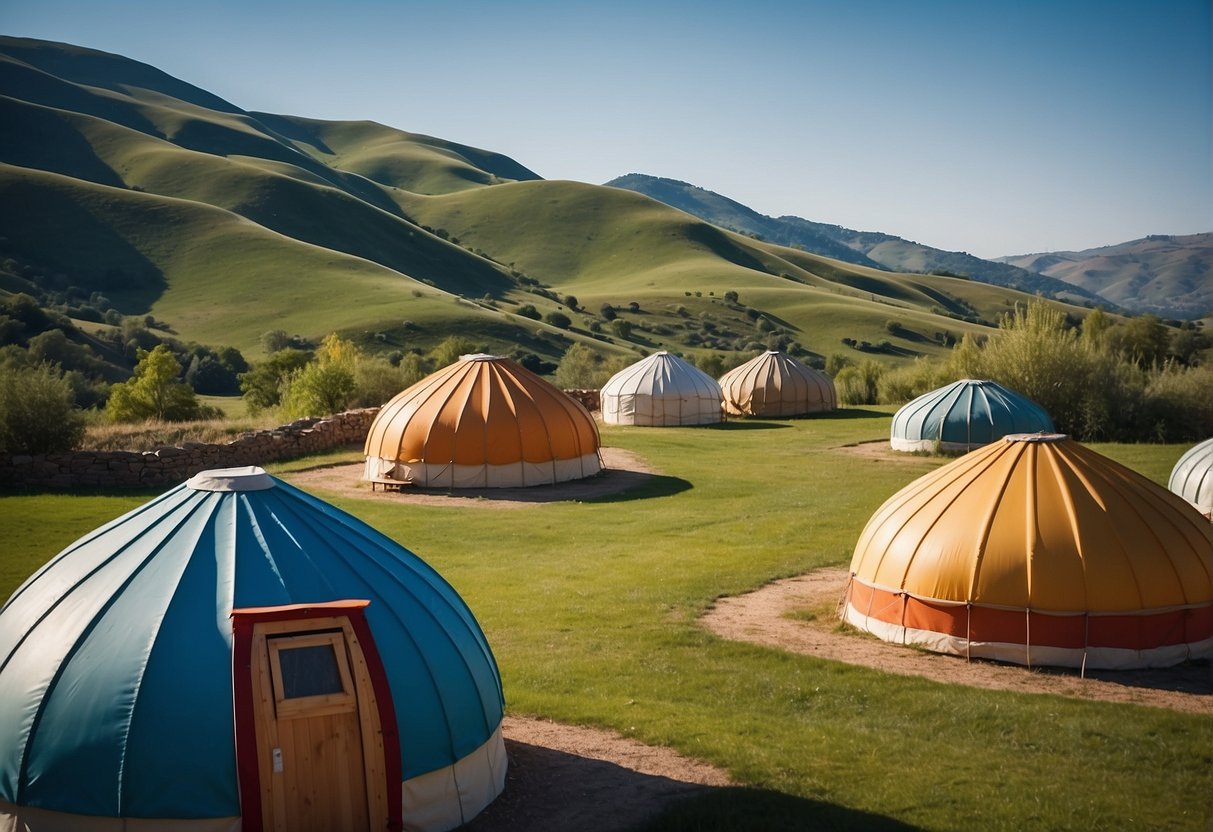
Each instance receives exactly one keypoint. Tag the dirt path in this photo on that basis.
(623, 470)
(567, 778)
(760, 617)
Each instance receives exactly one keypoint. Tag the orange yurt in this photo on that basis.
(482, 422)
(1039, 551)
(774, 384)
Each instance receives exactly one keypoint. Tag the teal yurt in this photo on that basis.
(1192, 476)
(236, 654)
(965, 415)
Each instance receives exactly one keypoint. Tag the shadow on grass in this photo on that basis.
(739, 809)
(643, 487)
(551, 790)
(740, 423)
(855, 413)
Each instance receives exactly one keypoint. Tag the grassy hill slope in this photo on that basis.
(861, 247)
(225, 224)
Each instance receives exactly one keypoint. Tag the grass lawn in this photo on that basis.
(590, 608)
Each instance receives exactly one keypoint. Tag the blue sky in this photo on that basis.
(990, 127)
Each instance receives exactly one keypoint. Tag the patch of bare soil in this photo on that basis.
(760, 617)
(567, 778)
(622, 470)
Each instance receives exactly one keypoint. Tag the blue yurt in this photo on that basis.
(239, 655)
(1192, 476)
(964, 415)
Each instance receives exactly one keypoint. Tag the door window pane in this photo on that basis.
(309, 671)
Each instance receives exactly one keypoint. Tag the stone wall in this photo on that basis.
(172, 465)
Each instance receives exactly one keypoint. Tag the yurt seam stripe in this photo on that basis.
(80, 639)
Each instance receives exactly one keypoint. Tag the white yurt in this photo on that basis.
(662, 390)
(1192, 476)
(774, 384)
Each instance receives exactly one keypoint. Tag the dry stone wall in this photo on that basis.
(172, 465)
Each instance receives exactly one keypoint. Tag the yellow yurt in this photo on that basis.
(482, 422)
(776, 385)
(1037, 550)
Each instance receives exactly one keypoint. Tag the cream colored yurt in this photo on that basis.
(662, 390)
(1192, 477)
(482, 422)
(1039, 551)
(965, 415)
(776, 385)
(237, 654)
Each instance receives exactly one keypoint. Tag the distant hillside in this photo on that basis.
(1171, 276)
(125, 192)
(867, 248)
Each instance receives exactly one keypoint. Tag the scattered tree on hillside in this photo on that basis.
(607, 312)
(558, 320)
(528, 310)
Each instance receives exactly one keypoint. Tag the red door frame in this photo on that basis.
(248, 772)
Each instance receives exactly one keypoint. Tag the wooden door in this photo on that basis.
(319, 738)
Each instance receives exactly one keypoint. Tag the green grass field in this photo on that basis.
(591, 610)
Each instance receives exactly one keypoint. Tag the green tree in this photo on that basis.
(449, 350)
(153, 392)
(275, 340)
(528, 310)
(262, 385)
(327, 384)
(37, 412)
(581, 368)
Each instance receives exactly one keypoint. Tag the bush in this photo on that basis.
(558, 320)
(607, 312)
(528, 310)
(37, 412)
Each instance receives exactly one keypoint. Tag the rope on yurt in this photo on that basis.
(968, 631)
(1027, 641)
(903, 595)
(1086, 642)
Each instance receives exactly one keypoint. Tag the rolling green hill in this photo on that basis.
(224, 224)
(869, 248)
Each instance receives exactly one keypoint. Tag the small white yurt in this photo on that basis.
(660, 391)
(774, 384)
(1192, 477)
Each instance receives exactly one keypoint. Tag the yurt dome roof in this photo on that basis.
(116, 662)
(775, 384)
(483, 421)
(662, 389)
(1192, 476)
(1038, 550)
(964, 415)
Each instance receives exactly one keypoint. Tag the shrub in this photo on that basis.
(558, 320)
(37, 412)
(528, 310)
(607, 311)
